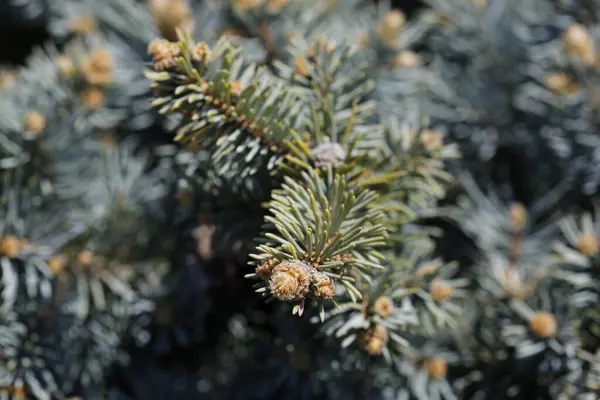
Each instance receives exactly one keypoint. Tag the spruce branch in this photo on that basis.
(241, 115)
(327, 235)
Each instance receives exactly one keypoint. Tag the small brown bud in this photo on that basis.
(82, 25)
(202, 52)
(85, 258)
(578, 42)
(290, 280)
(431, 139)
(57, 264)
(35, 122)
(543, 325)
(301, 66)
(389, 27)
(275, 6)
(374, 340)
(323, 286)
(66, 66)
(587, 244)
(426, 269)
(10, 246)
(236, 88)
(7, 80)
(93, 98)
(163, 53)
(440, 290)
(407, 59)
(560, 83)
(246, 5)
(265, 270)
(97, 68)
(436, 368)
(518, 217)
(170, 15)
(383, 306)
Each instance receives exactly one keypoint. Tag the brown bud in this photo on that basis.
(163, 53)
(57, 264)
(436, 368)
(66, 66)
(246, 5)
(431, 139)
(202, 52)
(236, 88)
(389, 27)
(323, 286)
(35, 122)
(426, 269)
(170, 15)
(265, 270)
(374, 340)
(97, 68)
(85, 258)
(587, 244)
(10, 246)
(440, 290)
(7, 79)
(579, 43)
(383, 306)
(93, 98)
(543, 325)
(301, 66)
(407, 59)
(518, 217)
(82, 25)
(275, 6)
(560, 83)
(290, 280)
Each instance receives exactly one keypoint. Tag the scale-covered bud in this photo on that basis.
(543, 325)
(587, 244)
(383, 306)
(436, 368)
(290, 280)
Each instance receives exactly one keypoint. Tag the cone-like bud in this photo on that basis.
(383, 306)
(587, 244)
(579, 43)
(35, 122)
(10, 246)
(440, 290)
(543, 325)
(374, 340)
(290, 280)
(322, 286)
(436, 368)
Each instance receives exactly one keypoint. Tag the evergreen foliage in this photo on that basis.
(286, 199)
